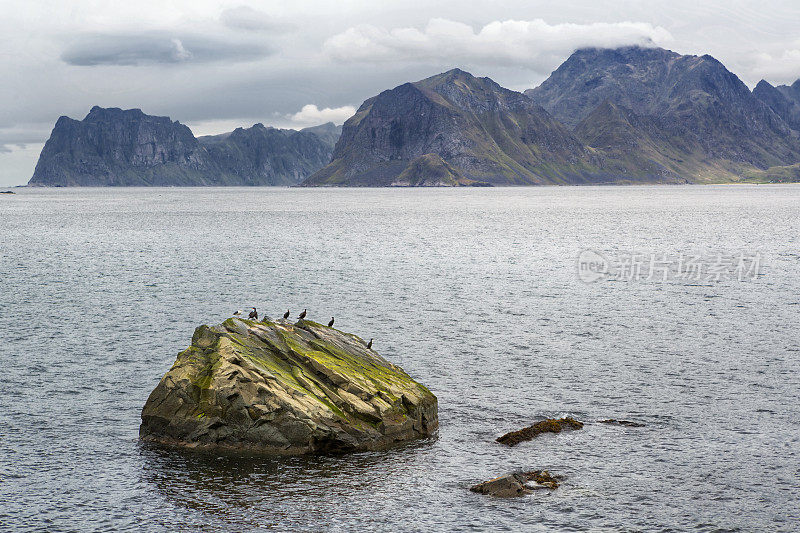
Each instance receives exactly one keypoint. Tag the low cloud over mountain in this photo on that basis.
(526, 43)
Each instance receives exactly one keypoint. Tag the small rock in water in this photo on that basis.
(551, 425)
(627, 423)
(504, 486)
(544, 479)
(511, 485)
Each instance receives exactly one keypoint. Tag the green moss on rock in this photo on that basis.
(285, 388)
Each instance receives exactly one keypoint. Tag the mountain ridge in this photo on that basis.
(620, 115)
(116, 147)
(784, 100)
(490, 134)
(709, 125)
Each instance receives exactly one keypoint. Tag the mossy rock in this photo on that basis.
(286, 389)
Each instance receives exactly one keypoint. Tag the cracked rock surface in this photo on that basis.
(285, 388)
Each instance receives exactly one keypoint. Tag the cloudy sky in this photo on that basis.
(217, 64)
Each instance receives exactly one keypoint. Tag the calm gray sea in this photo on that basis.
(475, 292)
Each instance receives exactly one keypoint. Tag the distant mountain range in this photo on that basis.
(686, 114)
(115, 147)
(625, 115)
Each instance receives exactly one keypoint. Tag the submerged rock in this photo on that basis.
(286, 389)
(550, 425)
(511, 485)
(616, 422)
(544, 479)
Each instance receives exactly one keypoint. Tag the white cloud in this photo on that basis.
(311, 115)
(524, 43)
(180, 53)
(777, 66)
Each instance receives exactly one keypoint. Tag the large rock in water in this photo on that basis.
(287, 389)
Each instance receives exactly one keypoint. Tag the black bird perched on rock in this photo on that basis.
(253, 314)
(369, 344)
(330, 324)
(303, 314)
(286, 314)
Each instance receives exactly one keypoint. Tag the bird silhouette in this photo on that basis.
(286, 314)
(302, 315)
(330, 324)
(253, 314)
(238, 313)
(369, 344)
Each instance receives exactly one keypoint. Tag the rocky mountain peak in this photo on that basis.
(450, 128)
(112, 146)
(696, 104)
(783, 100)
(763, 85)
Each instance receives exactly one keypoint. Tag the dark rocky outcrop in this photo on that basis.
(550, 425)
(285, 388)
(627, 423)
(686, 114)
(511, 485)
(115, 147)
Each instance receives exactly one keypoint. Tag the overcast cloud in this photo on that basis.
(218, 64)
(529, 44)
(250, 19)
(131, 49)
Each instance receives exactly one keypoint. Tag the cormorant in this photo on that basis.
(369, 344)
(238, 313)
(330, 324)
(303, 314)
(253, 314)
(286, 314)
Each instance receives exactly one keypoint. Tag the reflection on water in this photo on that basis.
(230, 481)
